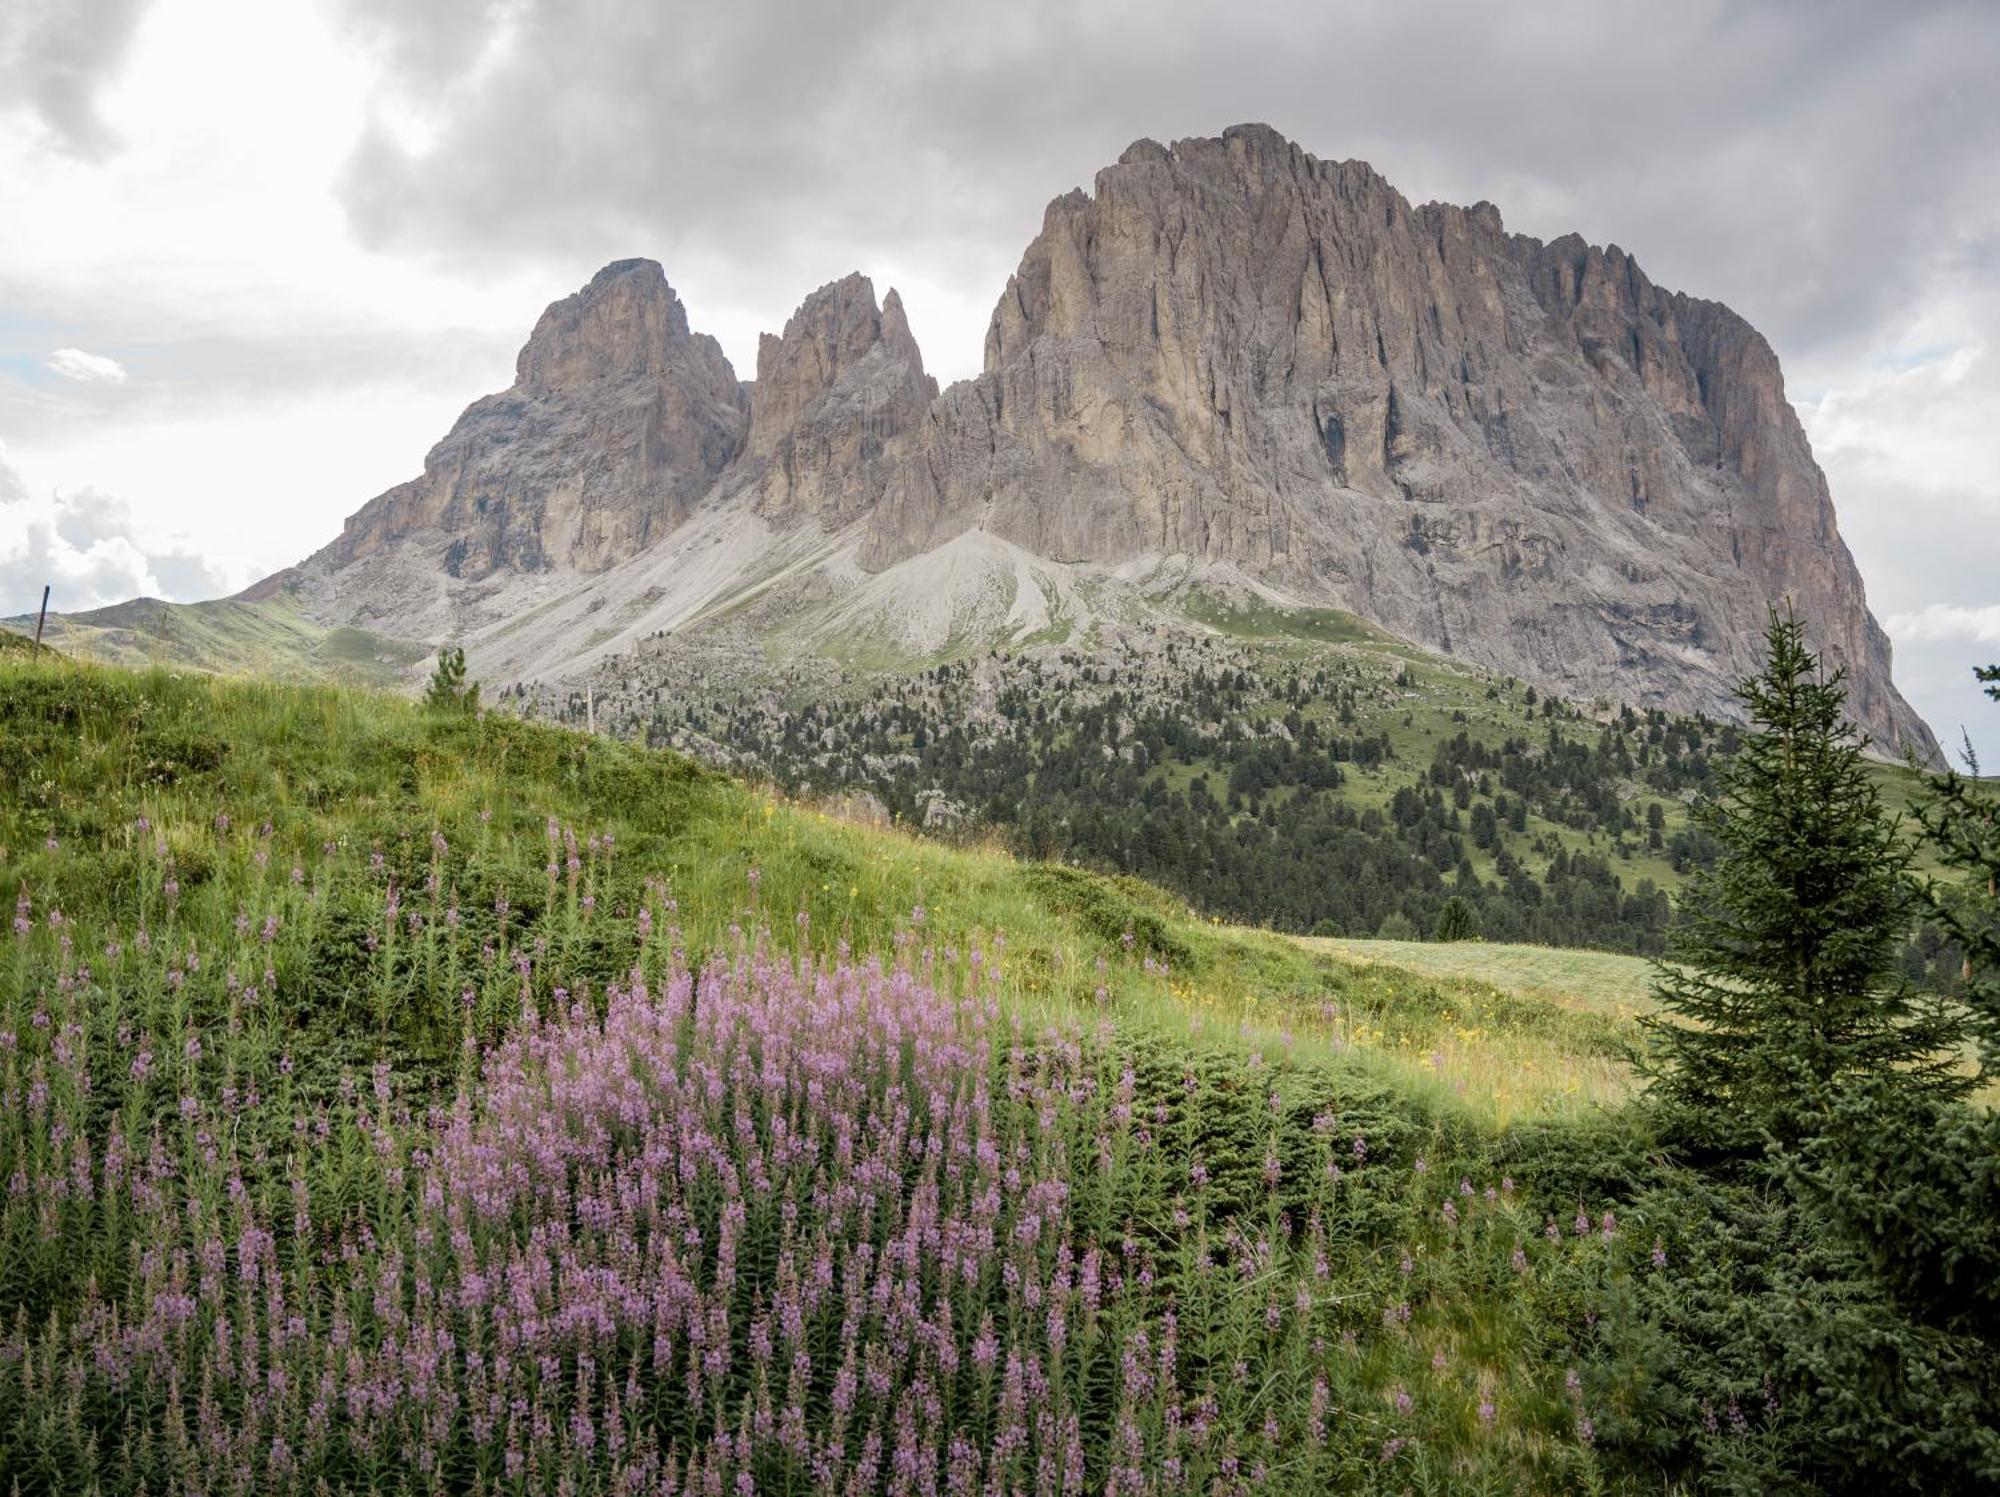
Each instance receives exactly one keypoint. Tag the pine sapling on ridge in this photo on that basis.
(449, 691)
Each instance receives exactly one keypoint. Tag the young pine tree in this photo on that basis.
(449, 691)
(1781, 981)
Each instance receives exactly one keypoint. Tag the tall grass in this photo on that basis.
(373, 775)
(434, 1104)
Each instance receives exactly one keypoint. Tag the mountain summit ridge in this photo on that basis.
(1230, 361)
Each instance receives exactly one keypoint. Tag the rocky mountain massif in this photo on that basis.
(1232, 368)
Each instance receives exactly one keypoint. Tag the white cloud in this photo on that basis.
(1942, 623)
(89, 368)
(1924, 417)
(1912, 452)
(13, 489)
(287, 373)
(89, 548)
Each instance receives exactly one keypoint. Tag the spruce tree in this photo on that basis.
(1960, 818)
(1915, 1180)
(1781, 981)
(1456, 921)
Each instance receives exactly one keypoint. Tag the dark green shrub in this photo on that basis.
(1758, 1354)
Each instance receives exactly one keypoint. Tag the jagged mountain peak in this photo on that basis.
(638, 267)
(626, 322)
(896, 334)
(837, 396)
(1522, 453)
(835, 328)
(1230, 358)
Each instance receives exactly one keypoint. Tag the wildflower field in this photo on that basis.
(423, 1102)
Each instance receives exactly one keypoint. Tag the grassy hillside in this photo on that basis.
(1601, 981)
(1296, 769)
(360, 770)
(229, 636)
(1291, 769)
(325, 1018)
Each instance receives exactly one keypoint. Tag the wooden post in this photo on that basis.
(43, 618)
(589, 710)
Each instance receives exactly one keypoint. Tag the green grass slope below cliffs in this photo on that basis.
(280, 950)
(229, 636)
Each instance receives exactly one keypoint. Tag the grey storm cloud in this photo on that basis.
(1819, 166)
(54, 55)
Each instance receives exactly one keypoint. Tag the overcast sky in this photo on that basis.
(255, 255)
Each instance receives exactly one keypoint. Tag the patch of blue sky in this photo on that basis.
(1904, 360)
(25, 345)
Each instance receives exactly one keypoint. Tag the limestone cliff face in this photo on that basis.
(619, 418)
(1521, 453)
(838, 401)
(1229, 352)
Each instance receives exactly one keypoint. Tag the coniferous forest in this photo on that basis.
(1324, 795)
(1350, 792)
